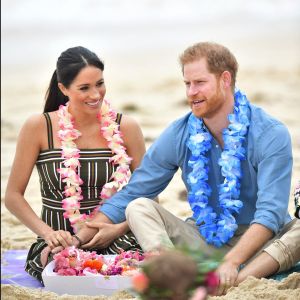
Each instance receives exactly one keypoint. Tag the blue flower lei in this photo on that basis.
(218, 229)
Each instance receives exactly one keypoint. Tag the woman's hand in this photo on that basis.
(106, 234)
(58, 238)
(44, 256)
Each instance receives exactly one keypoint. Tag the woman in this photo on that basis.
(82, 150)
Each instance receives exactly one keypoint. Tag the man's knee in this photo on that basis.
(137, 206)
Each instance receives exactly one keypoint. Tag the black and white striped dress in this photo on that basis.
(95, 171)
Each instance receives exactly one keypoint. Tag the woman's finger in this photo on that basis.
(62, 241)
(66, 237)
(44, 255)
(57, 249)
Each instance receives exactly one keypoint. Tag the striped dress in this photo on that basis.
(95, 171)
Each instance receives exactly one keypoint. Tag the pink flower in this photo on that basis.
(72, 162)
(140, 282)
(211, 281)
(67, 272)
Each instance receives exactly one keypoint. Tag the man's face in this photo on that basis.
(203, 89)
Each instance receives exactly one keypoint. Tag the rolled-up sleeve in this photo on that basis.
(274, 155)
(149, 179)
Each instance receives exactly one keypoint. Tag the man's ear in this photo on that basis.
(226, 79)
(62, 88)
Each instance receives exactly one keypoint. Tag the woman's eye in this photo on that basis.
(84, 88)
(100, 83)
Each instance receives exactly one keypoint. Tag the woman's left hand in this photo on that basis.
(44, 255)
(106, 234)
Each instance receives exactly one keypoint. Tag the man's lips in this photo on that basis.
(197, 102)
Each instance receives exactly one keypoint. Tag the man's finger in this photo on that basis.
(91, 243)
(94, 224)
(221, 287)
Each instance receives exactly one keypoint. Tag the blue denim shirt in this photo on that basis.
(265, 183)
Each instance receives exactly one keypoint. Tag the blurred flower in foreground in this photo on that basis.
(181, 274)
(140, 282)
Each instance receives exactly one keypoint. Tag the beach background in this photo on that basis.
(140, 41)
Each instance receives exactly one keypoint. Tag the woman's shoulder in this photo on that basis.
(128, 122)
(33, 130)
(36, 124)
(35, 121)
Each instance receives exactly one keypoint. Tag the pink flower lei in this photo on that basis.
(70, 153)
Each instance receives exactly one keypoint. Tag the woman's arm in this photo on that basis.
(27, 151)
(101, 230)
(133, 141)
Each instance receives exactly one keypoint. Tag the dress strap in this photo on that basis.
(118, 118)
(49, 130)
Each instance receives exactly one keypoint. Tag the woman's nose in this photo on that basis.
(95, 93)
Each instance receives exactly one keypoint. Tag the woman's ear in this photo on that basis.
(62, 88)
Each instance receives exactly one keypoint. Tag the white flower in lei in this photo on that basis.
(218, 229)
(70, 153)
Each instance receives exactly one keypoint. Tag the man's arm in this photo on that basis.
(158, 166)
(249, 244)
(274, 161)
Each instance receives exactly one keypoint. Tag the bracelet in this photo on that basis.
(78, 239)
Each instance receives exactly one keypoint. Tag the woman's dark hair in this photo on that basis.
(68, 65)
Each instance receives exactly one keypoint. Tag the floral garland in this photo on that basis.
(70, 153)
(218, 229)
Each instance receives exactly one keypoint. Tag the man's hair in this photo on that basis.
(218, 58)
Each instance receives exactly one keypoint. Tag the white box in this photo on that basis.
(92, 285)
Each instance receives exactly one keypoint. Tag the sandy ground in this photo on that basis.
(154, 98)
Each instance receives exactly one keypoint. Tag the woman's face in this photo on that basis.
(86, 91)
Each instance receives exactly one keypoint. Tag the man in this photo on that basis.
(236, 164)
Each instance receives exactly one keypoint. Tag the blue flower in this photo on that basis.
(217, 230)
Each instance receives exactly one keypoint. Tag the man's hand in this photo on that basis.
(228, 273)
(106, 234)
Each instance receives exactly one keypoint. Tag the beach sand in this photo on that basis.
(146, 83)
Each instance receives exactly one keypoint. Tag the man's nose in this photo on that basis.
(192, 90)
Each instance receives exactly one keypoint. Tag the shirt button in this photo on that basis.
(217, 146)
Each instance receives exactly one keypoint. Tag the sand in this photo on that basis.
(251, 289)
(144, 81)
